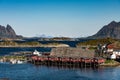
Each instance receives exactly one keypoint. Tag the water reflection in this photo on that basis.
(43, 72)
(68, 67)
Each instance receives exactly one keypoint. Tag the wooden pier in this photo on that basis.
(66, 61)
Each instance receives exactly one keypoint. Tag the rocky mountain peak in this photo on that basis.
(112, 23)
(10, 30)
(7, 32)
(8, 26)
(111, 30)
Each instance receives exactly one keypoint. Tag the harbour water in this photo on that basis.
(32, 72)
(7, 50)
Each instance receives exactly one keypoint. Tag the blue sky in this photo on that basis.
(72, 18)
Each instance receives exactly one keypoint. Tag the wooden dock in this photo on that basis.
(66, 61)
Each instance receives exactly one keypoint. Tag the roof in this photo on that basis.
(110, 46)
(72, 52)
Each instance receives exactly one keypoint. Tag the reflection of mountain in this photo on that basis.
(111, 30)
(8, 32)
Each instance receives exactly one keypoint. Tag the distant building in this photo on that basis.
(110, 48)
(115, 53)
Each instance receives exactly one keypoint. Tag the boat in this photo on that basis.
(113, 56)
(19, 62)
(1, 61)
(13, 61)
(37, 53)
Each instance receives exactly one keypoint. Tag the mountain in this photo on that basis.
(112, 30)
(44, 36)
(8, 32)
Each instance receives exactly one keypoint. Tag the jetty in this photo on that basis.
(71, 57)
(66, 61)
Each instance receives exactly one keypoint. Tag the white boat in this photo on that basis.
(113, 56)
(1, 61)
(36, 53)
(19, 62)
(13, 61)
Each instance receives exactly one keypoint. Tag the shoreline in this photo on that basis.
(109, 65)
(49, 46)
(23, 58)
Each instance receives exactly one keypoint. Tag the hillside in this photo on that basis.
(112, 30)
(8, 32)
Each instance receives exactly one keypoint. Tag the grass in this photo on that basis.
(14, 57)
(110, 61)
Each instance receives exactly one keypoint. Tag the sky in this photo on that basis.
(68, 18)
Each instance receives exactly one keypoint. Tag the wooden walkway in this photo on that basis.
(66, 61)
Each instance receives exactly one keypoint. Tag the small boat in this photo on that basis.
(1, 61)
(13, 61)
(19, 62)
(113, 56)
(36, 53)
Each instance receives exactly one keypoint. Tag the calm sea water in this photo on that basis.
(32, 72)
(4, 51)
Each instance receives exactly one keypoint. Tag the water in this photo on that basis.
(32, 72)
(4, 51)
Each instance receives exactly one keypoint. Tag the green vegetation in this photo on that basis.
(26, 44)
(33, 43)
(13, 57)
(110, 61)
(54, 43)
(12, 43)
(96, 42)
(7, 43)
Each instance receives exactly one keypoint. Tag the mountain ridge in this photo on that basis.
(112, 30)
(8, 32)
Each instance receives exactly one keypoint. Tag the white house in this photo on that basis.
(115, 54)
